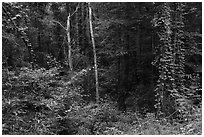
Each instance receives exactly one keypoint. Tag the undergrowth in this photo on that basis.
(43, 102)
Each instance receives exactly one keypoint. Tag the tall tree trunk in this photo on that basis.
(179, 58)
(94, 52)
(164, 88)
(69, 44)
(80, 27)
(83, 27)
(77, 27)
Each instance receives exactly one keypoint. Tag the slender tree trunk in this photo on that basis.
(69, 44)
(94, 52)
(80, 28)
(83, 28)
(77, 28)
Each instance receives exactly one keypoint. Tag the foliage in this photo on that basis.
(171, 91)
(148, 54)
(55, 106)
(165, 60)
(43, 102)
(36, 97)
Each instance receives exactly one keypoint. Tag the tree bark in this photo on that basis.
(69, 44)
(94, 52)
(77, 28)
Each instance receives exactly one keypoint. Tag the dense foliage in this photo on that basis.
(101, 68)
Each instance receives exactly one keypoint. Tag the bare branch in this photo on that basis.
(59, 24)
(75, 10)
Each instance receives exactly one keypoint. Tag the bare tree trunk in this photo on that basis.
(69, 44)
(77, 28)
(94, 52)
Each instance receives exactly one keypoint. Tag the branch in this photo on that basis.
(59, 24)
(68, 16)
(75, 10)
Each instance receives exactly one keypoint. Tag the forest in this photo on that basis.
(101, 68)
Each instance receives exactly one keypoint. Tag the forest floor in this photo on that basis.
(41, 102)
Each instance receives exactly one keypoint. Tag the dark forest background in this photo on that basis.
(101, 68)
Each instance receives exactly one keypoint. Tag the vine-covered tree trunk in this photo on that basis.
(170, 85)
(179, 58)
(165, 60)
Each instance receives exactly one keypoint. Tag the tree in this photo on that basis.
(179, 57)
(94, 53)
(165, 59)
(171, 89)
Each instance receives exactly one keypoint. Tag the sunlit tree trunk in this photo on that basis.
(94, 52)
(69, 44)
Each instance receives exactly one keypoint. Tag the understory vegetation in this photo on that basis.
(101, 68)
(42, 102)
